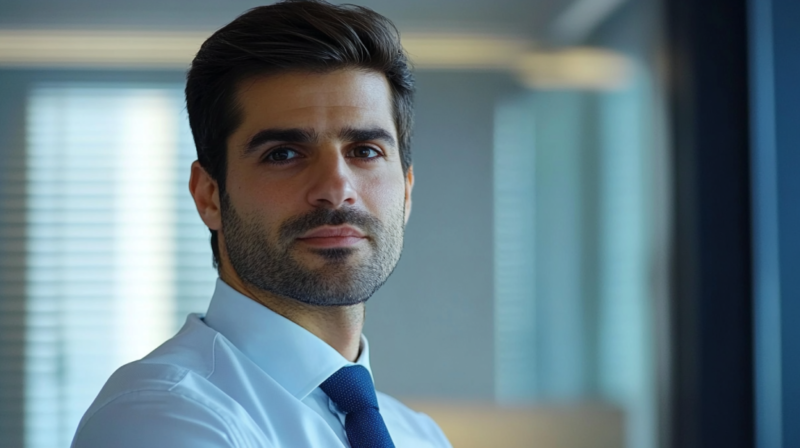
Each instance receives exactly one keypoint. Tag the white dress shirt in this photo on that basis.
(242, 376)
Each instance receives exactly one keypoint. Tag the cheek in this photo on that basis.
(264, 202)
(258, 192)
(384, 197)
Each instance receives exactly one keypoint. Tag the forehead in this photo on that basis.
(319, 101)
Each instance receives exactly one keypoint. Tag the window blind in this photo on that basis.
(515, 250)
(116, 255)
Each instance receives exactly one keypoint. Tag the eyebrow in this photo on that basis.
(365, 135)
(293, 135)
(299, 135)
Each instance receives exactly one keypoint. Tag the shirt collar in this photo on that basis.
(294, 357)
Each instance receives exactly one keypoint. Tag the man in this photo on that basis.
(301, 113)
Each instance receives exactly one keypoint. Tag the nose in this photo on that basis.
(332, 183)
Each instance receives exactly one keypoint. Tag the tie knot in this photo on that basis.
(351, 389)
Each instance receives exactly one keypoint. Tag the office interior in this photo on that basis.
(600, 248)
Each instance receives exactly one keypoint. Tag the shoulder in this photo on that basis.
(155, 418)
(166, 399)
(404, 422)
(169, 368)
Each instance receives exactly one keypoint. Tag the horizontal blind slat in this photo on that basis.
(92, 260)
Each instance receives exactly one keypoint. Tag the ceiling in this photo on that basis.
(529, 19)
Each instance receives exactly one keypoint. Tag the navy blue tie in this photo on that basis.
(352, 390)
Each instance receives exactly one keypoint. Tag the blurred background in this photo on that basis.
(578, 269)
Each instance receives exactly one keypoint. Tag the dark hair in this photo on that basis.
(292, 35)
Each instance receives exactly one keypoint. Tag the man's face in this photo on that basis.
(315, 198)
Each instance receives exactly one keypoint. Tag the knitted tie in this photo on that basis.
(352, 390)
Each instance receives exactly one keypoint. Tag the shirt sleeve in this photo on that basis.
(156, 419)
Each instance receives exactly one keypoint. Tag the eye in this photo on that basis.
(280, 155)
(364, 152)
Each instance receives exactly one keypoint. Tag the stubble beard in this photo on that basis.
(343, 279)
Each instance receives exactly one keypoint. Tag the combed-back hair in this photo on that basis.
(292, 35)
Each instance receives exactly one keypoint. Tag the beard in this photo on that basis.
(343, 279)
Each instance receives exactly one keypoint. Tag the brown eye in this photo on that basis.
(281, 155)
(365, 152)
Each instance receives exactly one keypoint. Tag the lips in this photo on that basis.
(333, 232)
(328, 237)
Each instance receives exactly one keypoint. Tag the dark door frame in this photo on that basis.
(711, 400)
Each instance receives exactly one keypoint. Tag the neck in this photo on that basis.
(339, 326)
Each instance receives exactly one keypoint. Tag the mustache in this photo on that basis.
(299, 225)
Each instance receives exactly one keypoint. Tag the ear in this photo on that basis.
(205, 191)
(409, 187)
